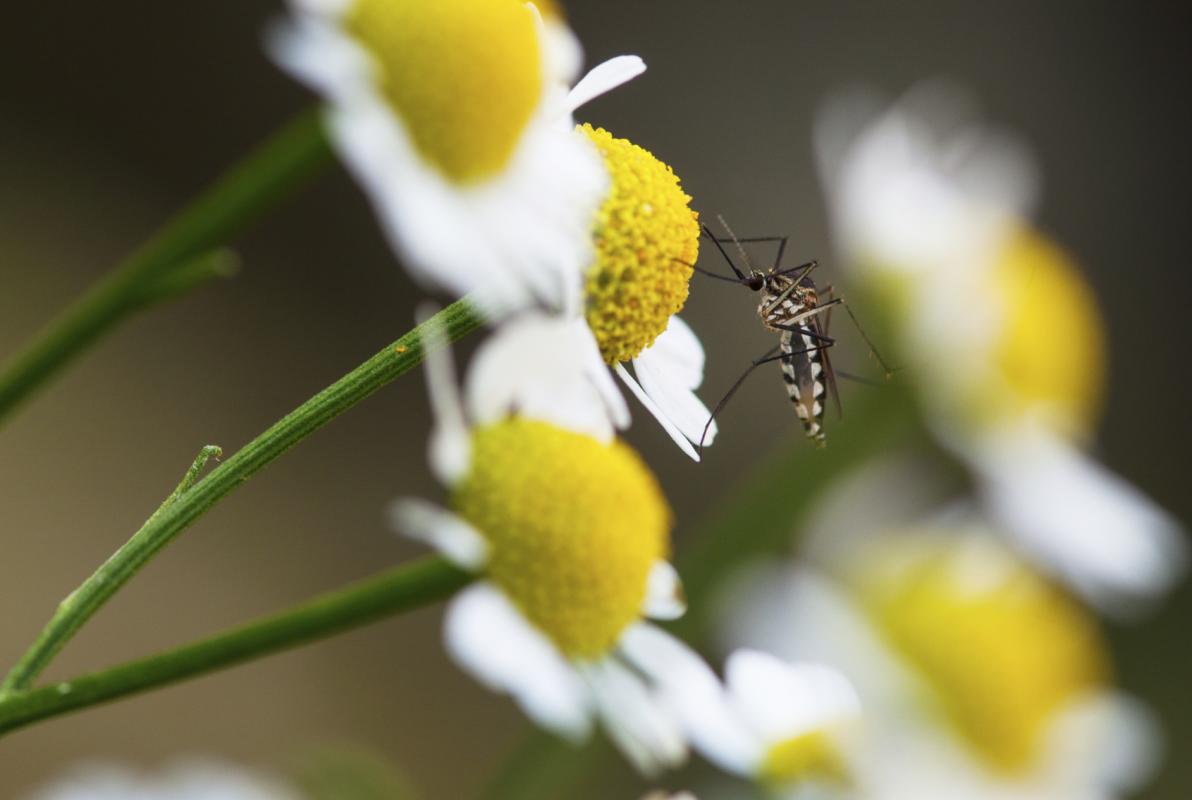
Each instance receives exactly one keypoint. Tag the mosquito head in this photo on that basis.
(756, 281)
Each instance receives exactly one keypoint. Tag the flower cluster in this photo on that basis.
(578, 248)
(979, 677)
(935, 633)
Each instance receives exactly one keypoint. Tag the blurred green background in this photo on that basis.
(114, 114)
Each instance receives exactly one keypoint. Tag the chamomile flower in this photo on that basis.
(570, 537)
(183, 780)
(979, 679)
(999, 330)
(454, 117)
(645, 239)
(785, 726)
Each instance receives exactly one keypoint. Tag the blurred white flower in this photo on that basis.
(182, 780)
(997, 329)
(570, 535)
(978, 679)
(783, 725)
(455, 118)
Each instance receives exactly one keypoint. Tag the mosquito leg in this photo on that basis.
(757, 362)
(873, 351)
(848, 376)
(709, 272)
(782, 240)
(708, 232)
(753, 239)
(808, 332)
(806, 267)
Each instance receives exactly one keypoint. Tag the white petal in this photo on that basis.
(450, 441)
(783, 700)
(642, 725)
(536, 366)
(603, 78)
(664, 593)
(329, 8)
(317, 52)
(657, 413)
(669, 371)
(490, 639)
(1112, 543)
(918, 186)
(614, 402)
(711, 723)
(521, 238)
(1107, 741)
(448, 533)
(564, 53)
(800, 615)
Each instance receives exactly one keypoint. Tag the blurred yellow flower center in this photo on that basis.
(1051, 351)
(1003, 652)
(464, 76)
(574, 527)
(810, 756)
(646, 236)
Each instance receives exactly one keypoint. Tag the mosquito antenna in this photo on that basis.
(737, 242)
(728, 396)
(723, 252)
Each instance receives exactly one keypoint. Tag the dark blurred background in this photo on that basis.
(114, 114)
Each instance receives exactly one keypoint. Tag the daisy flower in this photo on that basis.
(999, 330)
(979, 679)
(455, 119)
(645, 238)
(785, 726)
(183, 780)
(569, 536)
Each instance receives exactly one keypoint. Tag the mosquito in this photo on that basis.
(791, 306)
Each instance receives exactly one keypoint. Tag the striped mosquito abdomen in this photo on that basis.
(784, 308)
(801, 371)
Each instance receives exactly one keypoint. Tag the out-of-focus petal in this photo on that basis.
(490, 639)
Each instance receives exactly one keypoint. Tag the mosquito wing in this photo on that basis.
(826, 362)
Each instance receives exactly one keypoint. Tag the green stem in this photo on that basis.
(188, 504)
(759, 516)
(80, 604)
(290, 158)
(187, 276)
(402, 589)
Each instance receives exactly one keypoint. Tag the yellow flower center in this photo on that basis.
(809, 756)
(573, 525)
(646, 236)
(1051, 352)
(1002, 654)
(464, 76)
